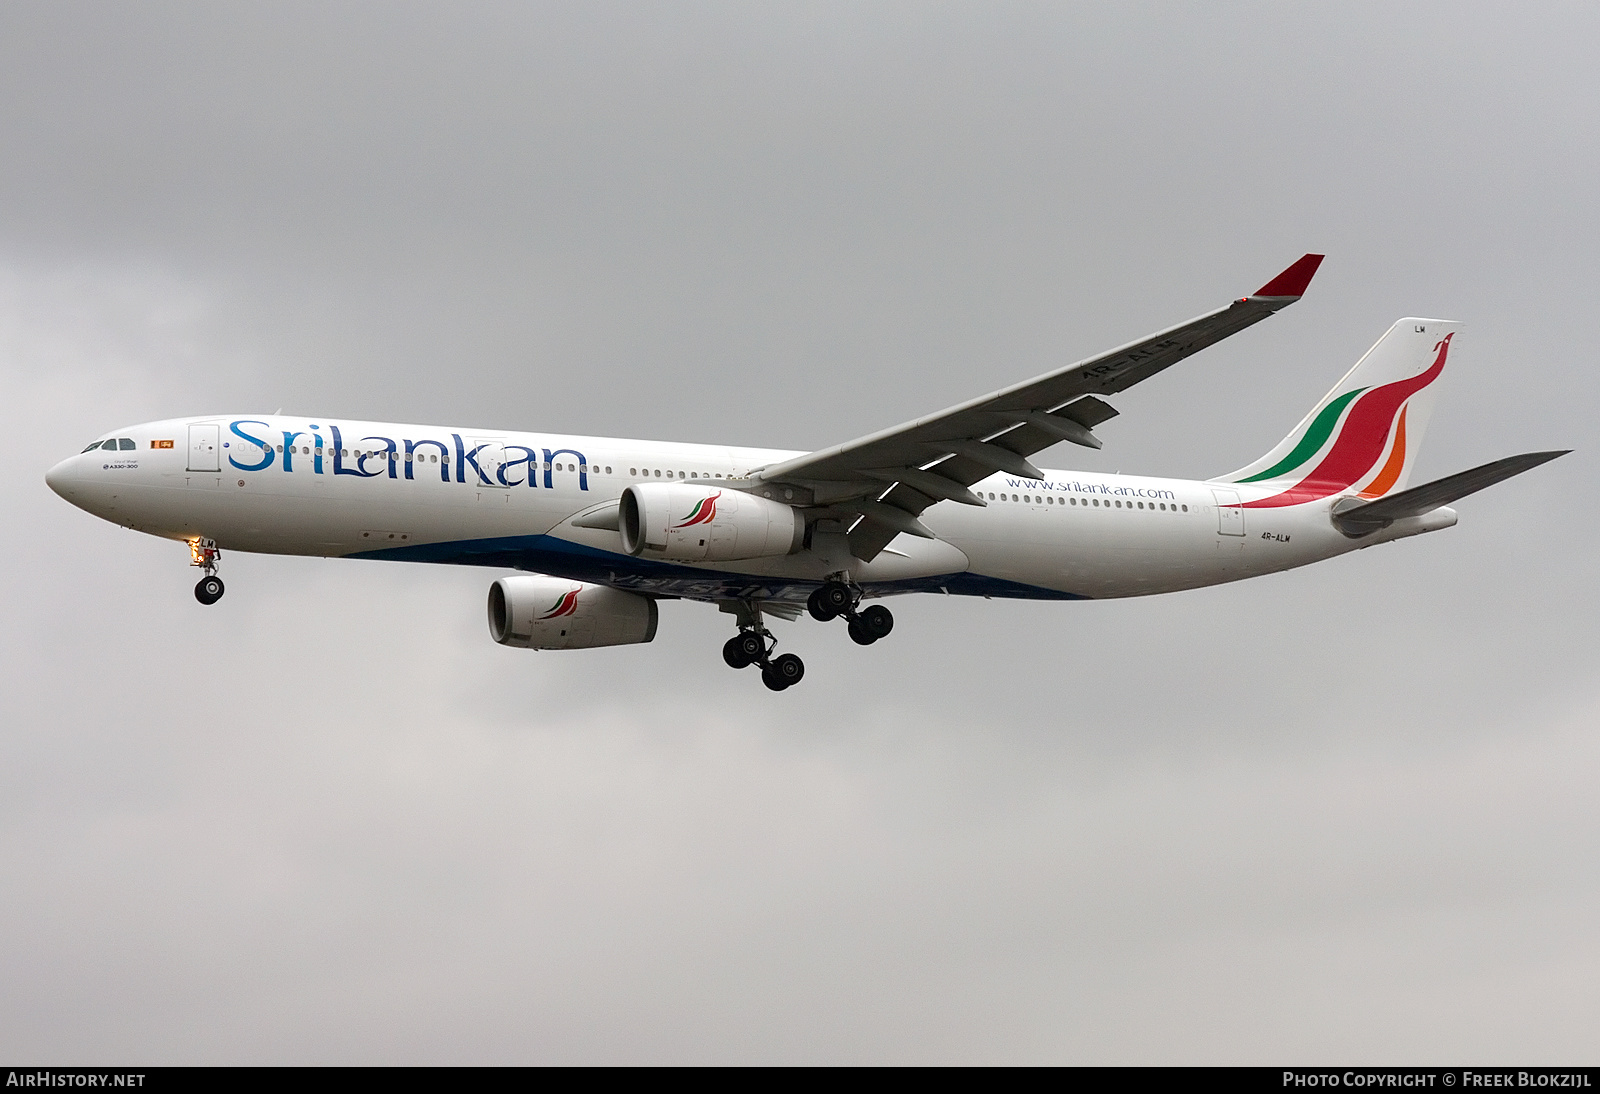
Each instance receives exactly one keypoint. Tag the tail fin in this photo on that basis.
(1365, 433)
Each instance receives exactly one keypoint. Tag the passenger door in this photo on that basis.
(203, 448)
(1230, 516)
(491, 458)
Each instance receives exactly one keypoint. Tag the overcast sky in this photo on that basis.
(1343, 814)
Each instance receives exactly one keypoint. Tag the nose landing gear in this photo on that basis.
(204, 554)
(753, 645)
(209, 590)
(835, 598)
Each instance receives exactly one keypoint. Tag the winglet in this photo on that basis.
(1293, 281)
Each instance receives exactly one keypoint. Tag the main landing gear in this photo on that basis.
(753, 645)
(755, 648)
(835, 598)
(204, 554)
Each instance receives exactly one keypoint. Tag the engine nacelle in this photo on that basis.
(690, 522)
(552, 613)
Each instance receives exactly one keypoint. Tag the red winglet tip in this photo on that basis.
(1293, 281)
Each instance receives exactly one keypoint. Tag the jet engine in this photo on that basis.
(689, 522)
(552, 613)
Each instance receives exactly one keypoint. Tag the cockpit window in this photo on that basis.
(92, 447)
(126, 444)
(110, 446)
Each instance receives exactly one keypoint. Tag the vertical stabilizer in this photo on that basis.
(1363, 436)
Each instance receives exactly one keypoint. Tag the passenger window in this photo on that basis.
(1185, 508)
(657, 474)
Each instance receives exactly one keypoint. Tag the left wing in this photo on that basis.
(880, 483)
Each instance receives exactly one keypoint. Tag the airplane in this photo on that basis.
(602, 529)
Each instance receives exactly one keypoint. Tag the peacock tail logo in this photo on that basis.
(705, 511)
(567, 605)
(1373, 418)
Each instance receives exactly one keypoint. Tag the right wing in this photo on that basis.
(880, 483)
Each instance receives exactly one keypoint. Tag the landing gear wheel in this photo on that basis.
(859, 636)
(789, 668)
(830, 601)
(752, 646)
(877, 621)
(733, 653)
(783, 672)
(209, 590)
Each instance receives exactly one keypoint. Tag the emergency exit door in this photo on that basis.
(203, 442)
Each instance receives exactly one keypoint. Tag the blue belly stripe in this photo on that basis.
(560, 558)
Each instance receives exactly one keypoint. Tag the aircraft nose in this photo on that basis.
(59, 479)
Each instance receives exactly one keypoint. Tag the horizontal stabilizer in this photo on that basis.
(1360, 519)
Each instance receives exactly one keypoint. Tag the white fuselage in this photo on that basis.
(331, 488)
